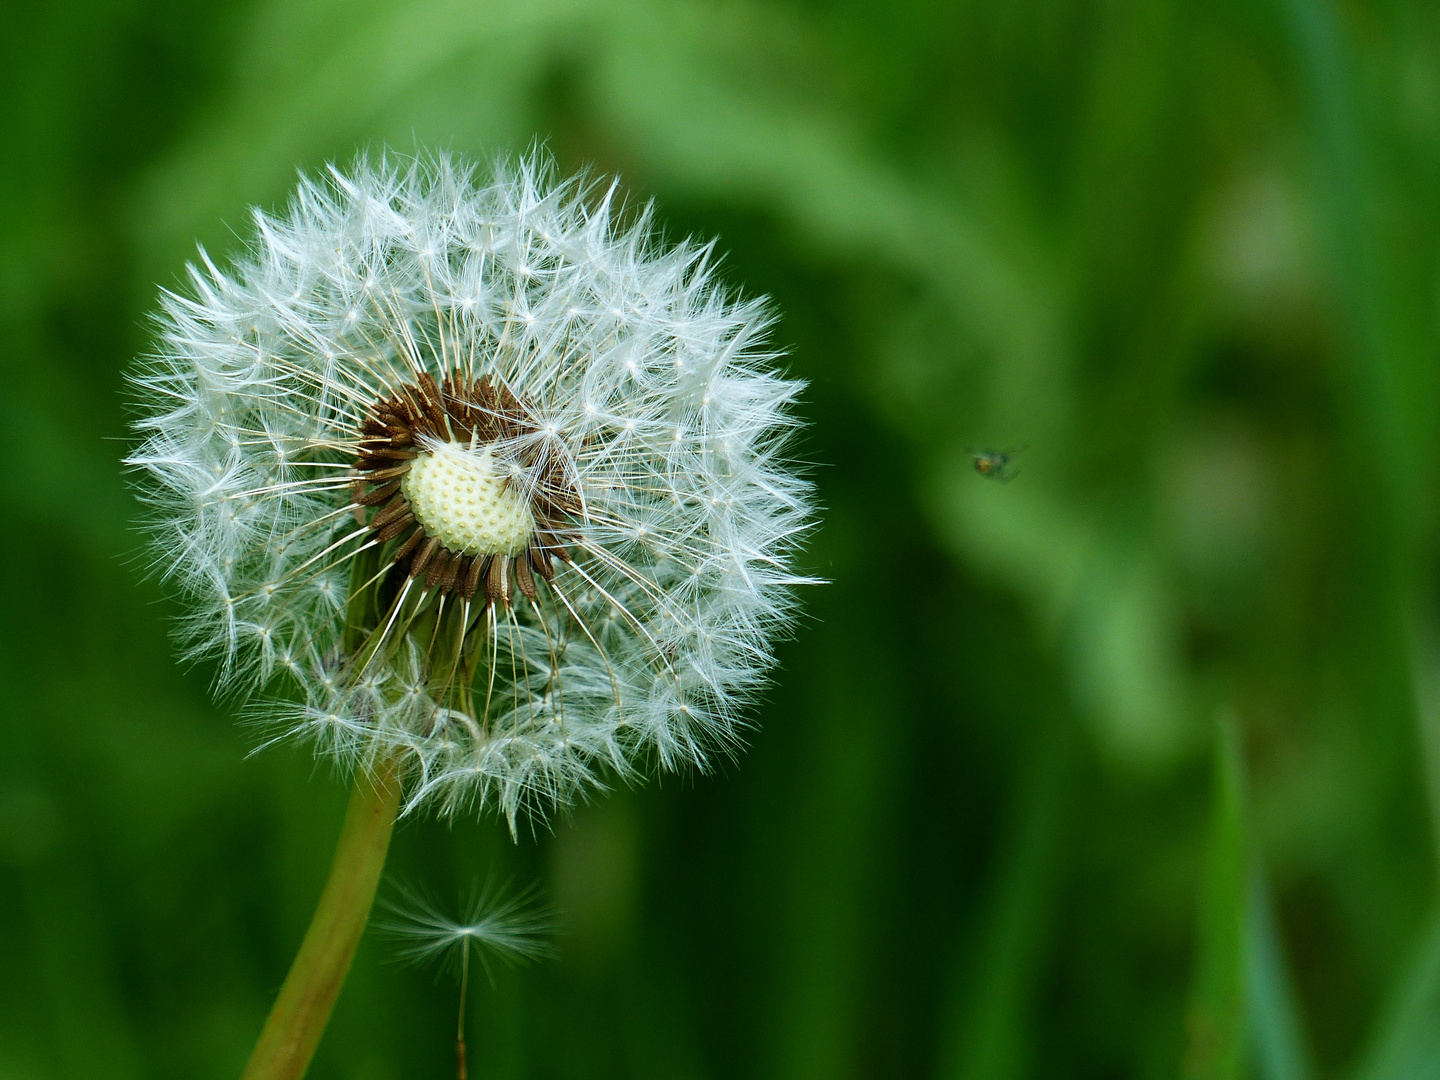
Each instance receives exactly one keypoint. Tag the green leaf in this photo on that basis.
(1280, 1051)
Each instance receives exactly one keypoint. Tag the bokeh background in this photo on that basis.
(1129, 767)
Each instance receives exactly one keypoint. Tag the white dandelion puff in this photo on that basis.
(494, 479)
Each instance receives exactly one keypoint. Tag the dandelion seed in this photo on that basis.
(512, 929)
(418, 454)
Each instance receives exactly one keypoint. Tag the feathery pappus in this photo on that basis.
(495, 479)
(509, 927)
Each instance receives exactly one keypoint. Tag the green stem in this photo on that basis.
(301, 1011)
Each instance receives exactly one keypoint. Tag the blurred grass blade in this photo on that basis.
(1280, 1051)
(986, 1038)
(1407, 1045)
(1424, 642)
(837, 851)
(1388, 399)
(1215, 1031)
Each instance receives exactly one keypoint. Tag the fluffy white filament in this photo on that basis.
(650, 387)
(512, 928)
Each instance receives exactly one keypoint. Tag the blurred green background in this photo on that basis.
(1127, 768)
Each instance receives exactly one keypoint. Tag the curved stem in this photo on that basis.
(301, 1011)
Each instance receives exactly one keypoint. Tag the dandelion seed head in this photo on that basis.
(458, 497)
(468, 467)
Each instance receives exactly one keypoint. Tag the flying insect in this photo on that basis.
(998, 465)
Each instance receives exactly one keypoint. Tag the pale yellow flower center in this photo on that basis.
(460, 496)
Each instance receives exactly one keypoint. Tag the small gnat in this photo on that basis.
(497, 482)
(996, 464)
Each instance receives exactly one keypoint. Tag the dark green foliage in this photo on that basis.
(1185, 253)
